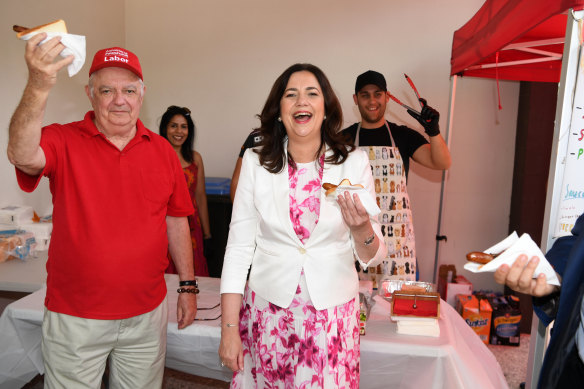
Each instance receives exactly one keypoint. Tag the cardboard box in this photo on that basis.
(446, 274)
(449, 290)
(477, 314)
(505, 321)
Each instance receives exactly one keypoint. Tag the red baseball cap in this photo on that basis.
(116, 57)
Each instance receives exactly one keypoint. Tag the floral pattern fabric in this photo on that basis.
(299, 346)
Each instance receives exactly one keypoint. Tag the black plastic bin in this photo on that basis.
(219, 204)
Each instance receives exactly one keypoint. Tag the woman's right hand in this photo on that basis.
(230, 349)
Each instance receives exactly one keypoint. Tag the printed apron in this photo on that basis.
(391, 194)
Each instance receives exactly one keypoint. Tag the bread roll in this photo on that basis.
(7, 244)
(413, 288)
(56, 26)
(330, 188)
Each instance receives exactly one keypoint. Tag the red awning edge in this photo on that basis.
(528, 34)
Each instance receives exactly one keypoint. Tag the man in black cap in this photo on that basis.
(390, 147)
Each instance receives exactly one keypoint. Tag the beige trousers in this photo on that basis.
(75, 350)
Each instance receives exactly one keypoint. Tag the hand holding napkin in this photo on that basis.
(513, 247)
(74, 45)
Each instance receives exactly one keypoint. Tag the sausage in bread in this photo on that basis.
(56, 26)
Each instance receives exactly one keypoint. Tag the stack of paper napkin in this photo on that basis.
(417, 326)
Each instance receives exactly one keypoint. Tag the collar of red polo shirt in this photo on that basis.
(116, 57)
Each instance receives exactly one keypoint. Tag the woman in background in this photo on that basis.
(295, 323)
(178, 128)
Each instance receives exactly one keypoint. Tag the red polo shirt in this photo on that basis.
(108, 247)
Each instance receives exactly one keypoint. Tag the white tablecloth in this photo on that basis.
(24, 276)
(457, 359)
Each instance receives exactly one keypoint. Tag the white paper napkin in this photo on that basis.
(366, 199)
(514, 247)
(74, 44)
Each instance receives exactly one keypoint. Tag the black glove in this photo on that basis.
(428, 118)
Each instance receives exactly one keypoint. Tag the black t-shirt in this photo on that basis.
(252, 140)
(407, 140)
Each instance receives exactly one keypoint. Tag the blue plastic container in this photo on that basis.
(217, 185)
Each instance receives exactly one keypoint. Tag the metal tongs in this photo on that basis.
(415, 91)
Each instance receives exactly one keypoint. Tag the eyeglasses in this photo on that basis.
(208, 308)
(210, 319)
(177, 108)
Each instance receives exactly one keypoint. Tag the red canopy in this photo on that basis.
(527, 36)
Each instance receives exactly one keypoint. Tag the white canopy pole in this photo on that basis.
(566, 88)
(447, 137)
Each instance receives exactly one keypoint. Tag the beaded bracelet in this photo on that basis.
(194, 290)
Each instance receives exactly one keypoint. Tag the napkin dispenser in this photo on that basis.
(420, 304)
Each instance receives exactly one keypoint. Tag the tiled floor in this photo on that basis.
(172, 380)
(513, 361)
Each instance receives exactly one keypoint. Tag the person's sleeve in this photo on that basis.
(241, 242)
(546, 307)
(180, 203)
(369, 185)
(51, 143)
(413, 140)
(248, 144)
(349, 133)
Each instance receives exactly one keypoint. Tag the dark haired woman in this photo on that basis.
(295, 323)
(178, 128)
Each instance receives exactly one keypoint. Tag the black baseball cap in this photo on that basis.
(370, 77)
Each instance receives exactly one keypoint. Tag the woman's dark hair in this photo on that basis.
(186, 149)
(272, 153)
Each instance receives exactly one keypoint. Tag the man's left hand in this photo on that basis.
(428, 118)
(186, 309)
(519, 277)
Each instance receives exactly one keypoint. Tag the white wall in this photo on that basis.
(103, 24)
(220, 59)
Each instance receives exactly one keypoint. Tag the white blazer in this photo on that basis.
(261, 236)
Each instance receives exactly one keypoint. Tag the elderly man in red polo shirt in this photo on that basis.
(120, 201)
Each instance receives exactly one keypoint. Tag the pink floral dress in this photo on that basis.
(299, 346)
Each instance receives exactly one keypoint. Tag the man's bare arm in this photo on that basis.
(24, 133)
(181, 251)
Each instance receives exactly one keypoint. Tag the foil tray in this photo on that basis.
(387, 287)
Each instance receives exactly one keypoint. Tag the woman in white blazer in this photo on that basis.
(295, 323)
